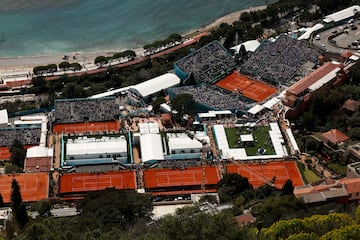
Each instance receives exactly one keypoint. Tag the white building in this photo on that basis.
(342, 15)
(151, 144)
(82, 150)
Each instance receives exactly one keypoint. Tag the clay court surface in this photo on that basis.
(257, 173)
(86, 127)
(155, 178)
(5, 153)
(33, 186)
(84, 182)
(252, 89)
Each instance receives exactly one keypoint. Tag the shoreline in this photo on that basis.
(27, 63)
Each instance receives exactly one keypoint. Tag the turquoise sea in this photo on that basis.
(47, 27)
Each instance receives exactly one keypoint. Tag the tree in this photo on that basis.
(288, 188)
(231, 186)
(72, 90)
(208, 198)
(157, 102)
(18, 153)
(64, 66)
(75, 66)
(42, 207)
(39, 85)
(1, 201)
(17, 206)
(183, 104)
(101, 60)
(191, 223)
(116, 208)
(357, 214)
(11, 168)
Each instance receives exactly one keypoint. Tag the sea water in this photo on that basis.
(48, 27)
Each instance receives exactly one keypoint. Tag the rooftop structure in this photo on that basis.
(309, 31)
(335, 136)
(250, 46)
(181, 146)
(342, 15)
(277, 62)
(208, 64)
(330, 190)
(4, 120)
(86, 110)
(216, 115)
(38, 159)
(276, 137)
(150, 142)
(83, 150)
(245, 219)
(155, 85)
(315, 79)
(351, 105)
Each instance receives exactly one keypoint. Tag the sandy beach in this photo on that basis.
(15, 64)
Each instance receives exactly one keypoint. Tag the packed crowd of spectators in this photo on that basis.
(277, 62)
(213, 97)
(208, 64)
(27, 136)
(86, 110)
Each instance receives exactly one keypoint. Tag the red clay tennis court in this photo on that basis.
(157, 178)
(257, 173)
(86, 127)
(5, 152)
(249, 88)
(33, 186)
(84, 182)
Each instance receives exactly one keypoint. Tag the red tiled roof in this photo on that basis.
(335, 136)
(38, 164)
(352, 185)
(245, 219)
(351, 105)
(312, 78)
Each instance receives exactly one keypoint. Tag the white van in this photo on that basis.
(317, 37)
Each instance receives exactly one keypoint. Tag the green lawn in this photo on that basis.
(260, 134)
(310, 176)
(337, 168)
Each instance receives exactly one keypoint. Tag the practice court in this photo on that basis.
(259, 173)
(84, 182)
(33, 186)
(249, 88)
(86, 127)
(192, 176)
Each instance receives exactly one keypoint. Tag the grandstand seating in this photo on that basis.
(277, 62)
(86, 110)
(208, 64)
(213, 97)
(27, 136)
